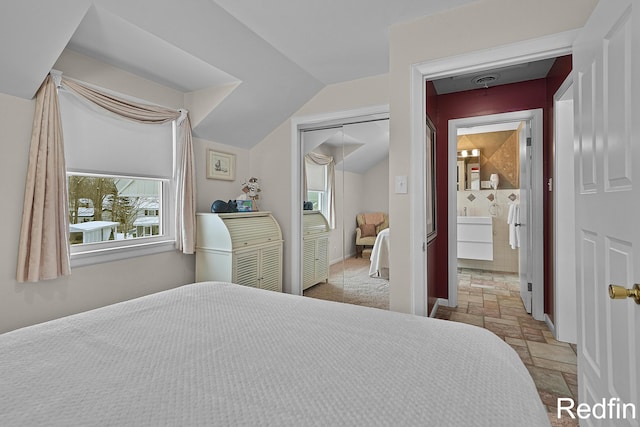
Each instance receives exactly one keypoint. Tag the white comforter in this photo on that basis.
(380, 256)
(222, 354)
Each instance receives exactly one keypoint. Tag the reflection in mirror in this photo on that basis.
(322, 240)
(469, 169)
(358, 152)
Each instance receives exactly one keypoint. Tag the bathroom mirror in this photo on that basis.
(469, 169)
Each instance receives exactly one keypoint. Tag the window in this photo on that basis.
(318, 198)
(104, 208)
(317, 186)
(120, 177)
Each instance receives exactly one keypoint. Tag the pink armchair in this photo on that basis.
(368, 227)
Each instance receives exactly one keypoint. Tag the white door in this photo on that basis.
(607, 168)
(523, 227)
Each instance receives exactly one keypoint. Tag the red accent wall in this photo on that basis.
(500, 99)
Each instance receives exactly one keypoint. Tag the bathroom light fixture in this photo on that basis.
(475, 152)
(464, 153)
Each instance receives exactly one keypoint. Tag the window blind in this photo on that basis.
(316, 179)
(100, 142)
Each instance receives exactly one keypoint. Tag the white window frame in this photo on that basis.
(114, 250)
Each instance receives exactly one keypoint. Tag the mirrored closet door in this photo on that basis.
(322, 221)
(345, 174)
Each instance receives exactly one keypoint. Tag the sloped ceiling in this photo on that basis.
(355, 147)
(277, 53)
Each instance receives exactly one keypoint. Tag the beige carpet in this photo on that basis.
(349, 282)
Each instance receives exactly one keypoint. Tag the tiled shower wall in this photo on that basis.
(478, 203)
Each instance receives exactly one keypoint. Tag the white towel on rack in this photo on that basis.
(513, 218)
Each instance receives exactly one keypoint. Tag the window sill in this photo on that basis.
(102, 255)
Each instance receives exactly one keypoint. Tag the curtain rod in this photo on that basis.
(57, 79)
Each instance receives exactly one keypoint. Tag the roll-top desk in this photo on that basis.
(243, 248)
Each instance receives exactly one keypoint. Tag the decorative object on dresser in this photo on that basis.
(250, 190)
(243, 248)
(315, 237)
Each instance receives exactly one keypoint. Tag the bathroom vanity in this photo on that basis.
(475, 237)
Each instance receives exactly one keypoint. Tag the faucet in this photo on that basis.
(465, 211)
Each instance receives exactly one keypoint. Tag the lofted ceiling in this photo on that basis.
(278, 53)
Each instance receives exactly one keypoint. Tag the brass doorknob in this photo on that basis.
(620, 292)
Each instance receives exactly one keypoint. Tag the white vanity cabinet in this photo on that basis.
(475, 237)
(243, 248)
(315, 243)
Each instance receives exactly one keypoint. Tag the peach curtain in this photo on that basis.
(43, 252)
(185, 193)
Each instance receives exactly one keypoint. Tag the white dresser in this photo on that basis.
(243, 248)
(315, 242)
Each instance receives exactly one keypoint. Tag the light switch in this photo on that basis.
(401, 184)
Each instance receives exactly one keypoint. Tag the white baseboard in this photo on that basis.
(439, 302)
(550, 325)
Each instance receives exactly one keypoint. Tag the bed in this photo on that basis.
(380, 256)
(222, 354)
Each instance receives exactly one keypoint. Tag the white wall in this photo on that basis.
(23, 304)
(477, 26)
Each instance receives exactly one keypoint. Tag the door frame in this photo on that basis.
(534, 220)
(565, 316)
(550, 46)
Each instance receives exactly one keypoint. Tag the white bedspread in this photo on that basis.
(222, 354)
(380, 256)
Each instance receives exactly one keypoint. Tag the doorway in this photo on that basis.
(513, 54)
(529, 198)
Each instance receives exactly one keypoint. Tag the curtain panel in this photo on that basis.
(43, 251)
(44, 244)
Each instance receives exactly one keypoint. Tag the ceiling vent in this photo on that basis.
(485, 80)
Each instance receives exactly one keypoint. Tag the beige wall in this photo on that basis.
(480, 25)
(100, 284)
(271, 160)
(375, 188)
(210, 190)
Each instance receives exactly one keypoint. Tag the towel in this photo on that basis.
(513, 218)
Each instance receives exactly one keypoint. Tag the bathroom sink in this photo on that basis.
(474, 220)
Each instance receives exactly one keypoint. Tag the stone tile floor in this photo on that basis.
(492, 300)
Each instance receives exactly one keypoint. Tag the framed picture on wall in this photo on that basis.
(221, 165)
(430, 153)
